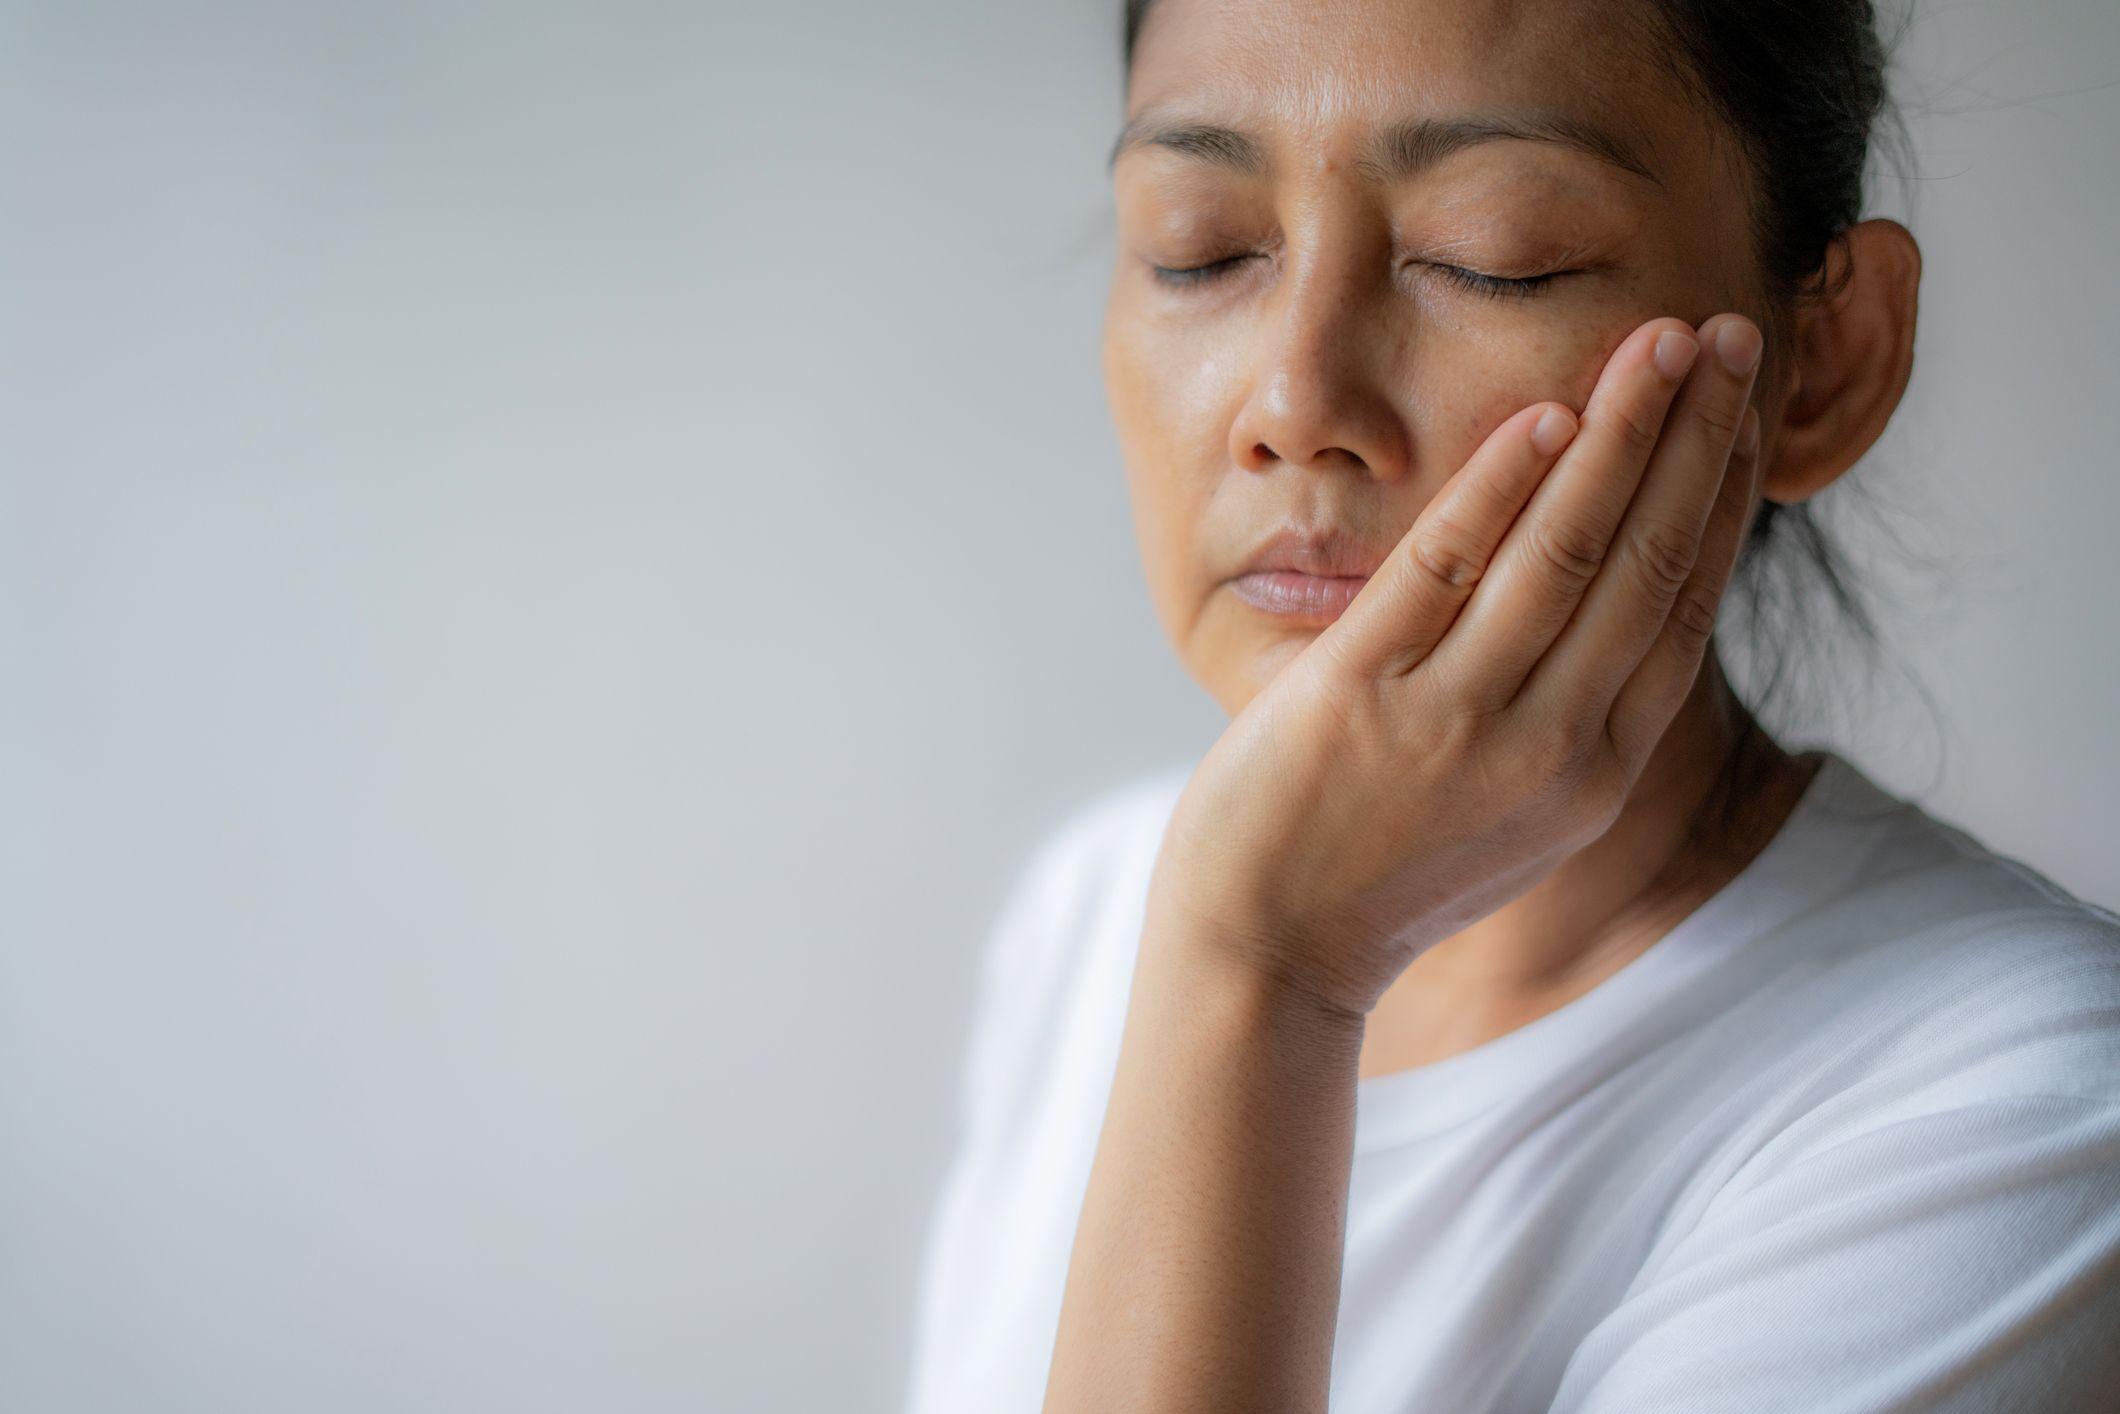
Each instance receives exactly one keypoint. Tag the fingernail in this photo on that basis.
(1737, 345)
(1674, 353)
(1748, 433)
(1554, 428)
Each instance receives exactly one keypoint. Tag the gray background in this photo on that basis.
(553, 560)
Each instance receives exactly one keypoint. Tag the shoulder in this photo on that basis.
(1947, 977)
(1927, 1148)
(1066, 923)
(1983, 944)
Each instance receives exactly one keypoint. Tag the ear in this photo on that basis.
(1853, 355)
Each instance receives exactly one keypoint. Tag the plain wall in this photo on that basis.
(554, 560)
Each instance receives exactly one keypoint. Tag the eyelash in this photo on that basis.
(1194, 274)
(1496, 286)
(1492, 286)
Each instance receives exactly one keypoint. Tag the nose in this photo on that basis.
(1321, 365)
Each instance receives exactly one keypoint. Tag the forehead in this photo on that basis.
(1318, 83)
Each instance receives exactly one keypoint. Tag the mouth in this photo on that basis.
(1306, 574)
(1290, 594)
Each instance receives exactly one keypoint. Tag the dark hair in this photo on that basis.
(1802, 85)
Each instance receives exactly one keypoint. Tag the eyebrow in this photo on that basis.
(1392, 153)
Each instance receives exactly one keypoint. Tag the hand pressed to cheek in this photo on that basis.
(1409, 604)
(1555, 547)
(1652, 555)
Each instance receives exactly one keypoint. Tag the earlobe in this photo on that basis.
(1853, 350)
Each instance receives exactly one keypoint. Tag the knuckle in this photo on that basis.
(1575, 781)
(1693, 619)
(1462, 720)
(1556, 761)
(1662, 556)
(1448, 703)
(1722, 419)
(1338, 677)
(1637, 427)
(1441, 553)
(1567, 547)
(1462, 727)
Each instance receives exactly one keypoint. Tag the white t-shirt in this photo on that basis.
(1847, 1138)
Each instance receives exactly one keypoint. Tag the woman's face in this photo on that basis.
(1339, 363)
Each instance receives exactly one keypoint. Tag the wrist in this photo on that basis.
(1245, 972)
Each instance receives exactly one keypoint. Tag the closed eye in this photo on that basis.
(1479, 282)
(1495, 286)
(1196, 274)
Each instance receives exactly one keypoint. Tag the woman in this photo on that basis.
(1495, 1018)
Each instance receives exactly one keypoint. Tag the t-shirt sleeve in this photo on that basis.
(1957, 1254)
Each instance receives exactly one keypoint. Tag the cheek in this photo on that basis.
(1160, 392)
(1166, 385)
(1473, 385)
(1169, 395)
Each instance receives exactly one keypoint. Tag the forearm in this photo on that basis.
(1206, 1265)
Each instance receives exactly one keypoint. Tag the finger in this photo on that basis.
(1553, 550)
(1408, 603)
(1649, 698)
(1658, 542)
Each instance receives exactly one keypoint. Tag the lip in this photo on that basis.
(1311, 598)
(1306, 573)
(1315, 550)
